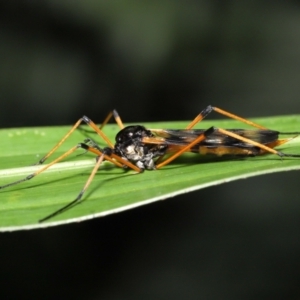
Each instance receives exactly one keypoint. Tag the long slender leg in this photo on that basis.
(211, 130)
(200, 138)
(42, 169)
(89, 122)
(111, 114)
(117, 118)
(115, 159)
(79, 197)
(205, 112)
(106, 154)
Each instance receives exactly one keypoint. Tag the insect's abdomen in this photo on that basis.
(223, 150)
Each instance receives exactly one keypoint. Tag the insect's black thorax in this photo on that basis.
(130, 146)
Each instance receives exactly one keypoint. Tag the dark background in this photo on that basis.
(156, 60)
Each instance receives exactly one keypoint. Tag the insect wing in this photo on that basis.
(184, 136)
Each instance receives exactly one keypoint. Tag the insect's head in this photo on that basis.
(130, 146)
(132, 133)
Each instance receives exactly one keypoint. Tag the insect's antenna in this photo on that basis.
(78, 198)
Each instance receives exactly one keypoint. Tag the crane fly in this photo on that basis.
(139, 148)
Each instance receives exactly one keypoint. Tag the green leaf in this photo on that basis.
(114, 189)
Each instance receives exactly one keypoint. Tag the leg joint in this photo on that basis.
(86, 119)
(206, 111)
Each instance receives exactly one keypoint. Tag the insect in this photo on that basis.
(139, 148)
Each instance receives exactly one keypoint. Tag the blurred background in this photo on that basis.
(153, 61)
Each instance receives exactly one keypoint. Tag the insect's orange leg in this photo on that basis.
(205, 112)
(205, 134)
(200, 138)
(78, 198)
(118, 161)
(248, 141)
(117, 118)
(89, 122)
(111, 114)
(30, 176)
(91, 177)
(115, 159)
(266, 148)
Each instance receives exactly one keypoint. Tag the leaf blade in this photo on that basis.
(113, 189)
